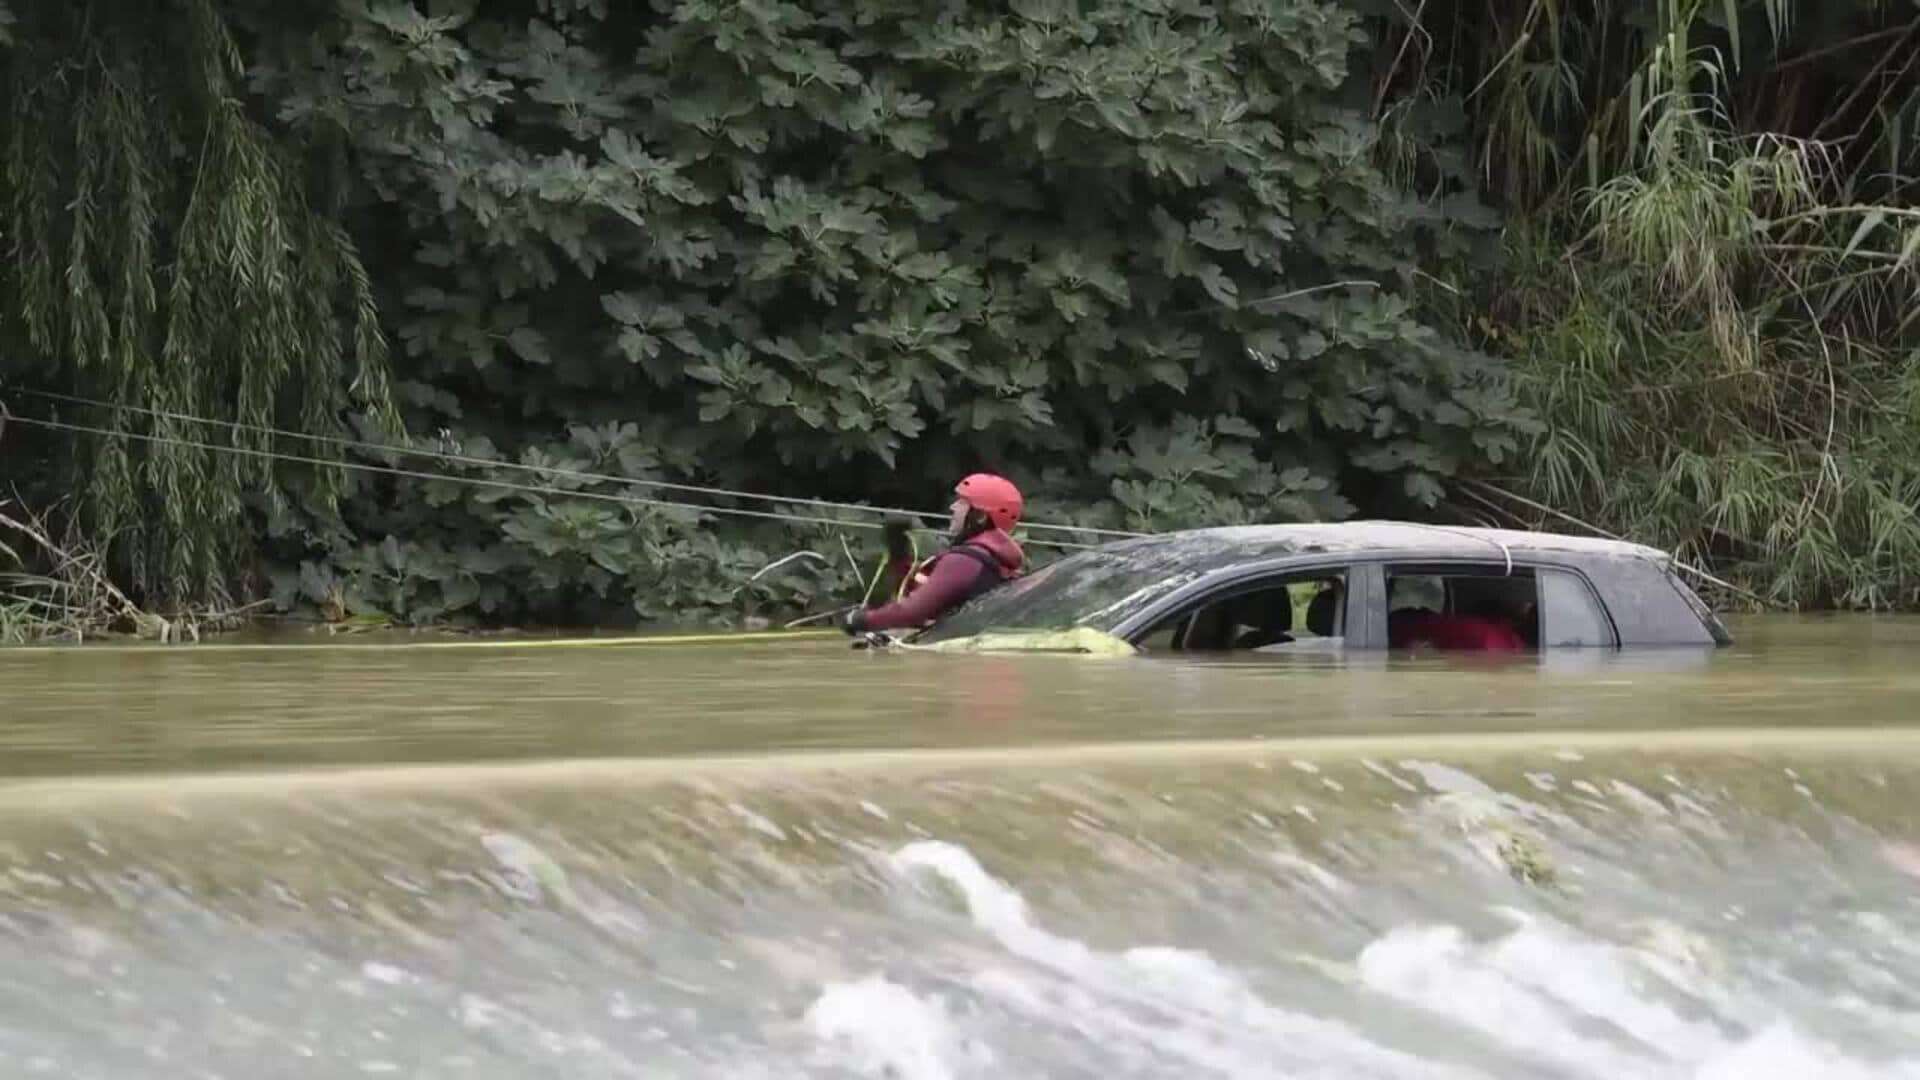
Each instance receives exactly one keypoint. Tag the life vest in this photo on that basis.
(997, 571)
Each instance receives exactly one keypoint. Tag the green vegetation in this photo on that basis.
(1708, 289)
(164, 255)
(1165, 263)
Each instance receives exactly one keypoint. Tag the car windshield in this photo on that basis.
(1097, 588)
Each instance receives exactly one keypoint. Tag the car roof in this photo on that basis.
(1116, 585)
(1400, 537)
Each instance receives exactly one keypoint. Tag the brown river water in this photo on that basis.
(793, 859)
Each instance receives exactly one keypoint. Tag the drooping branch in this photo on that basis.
(165, 256)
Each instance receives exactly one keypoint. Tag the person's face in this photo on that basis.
(958, 521)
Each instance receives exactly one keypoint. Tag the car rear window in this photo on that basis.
(1570, 615)
(1700, 609)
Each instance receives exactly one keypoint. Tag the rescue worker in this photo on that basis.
(982, 553)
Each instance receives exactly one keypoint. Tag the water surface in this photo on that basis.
(797, 860)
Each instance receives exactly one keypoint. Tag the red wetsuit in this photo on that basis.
(948, 580)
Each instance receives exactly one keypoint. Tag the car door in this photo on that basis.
(1548, 606)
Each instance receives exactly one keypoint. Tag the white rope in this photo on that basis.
(506, 485)
(778, 563)
(1505, 551)
(544, 471)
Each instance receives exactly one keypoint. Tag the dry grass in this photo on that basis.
(58, 589)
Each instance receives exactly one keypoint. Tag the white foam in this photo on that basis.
(880, 1028)
(1781, 1053)
(1640, 800)
(1383, 772)
(1436, 969)
(385, 973)
(534, 868)
(1449, 780)
(1684, 959)
(1320, 876)
(477, 1012)
(1090, 1017)
(995, 908)
(1545, 992)
(757, 822)
(1174, 1002)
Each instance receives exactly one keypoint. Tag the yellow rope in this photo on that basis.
(900, 591)
(874, 583)
(507, 643)
(913, 564)
(659, 639)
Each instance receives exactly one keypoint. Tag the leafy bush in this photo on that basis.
(1137, 254)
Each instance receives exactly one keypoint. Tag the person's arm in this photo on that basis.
(951, 580)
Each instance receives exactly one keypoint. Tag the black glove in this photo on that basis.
(854, 623)
(899, 546)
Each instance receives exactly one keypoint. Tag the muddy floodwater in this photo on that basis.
(794, 860)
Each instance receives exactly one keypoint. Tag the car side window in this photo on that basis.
(1416, 592)
(1166, 635)
(1570, 615)
(1304, 609)
(1471, 606)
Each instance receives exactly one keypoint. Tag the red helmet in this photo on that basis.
(994, 496)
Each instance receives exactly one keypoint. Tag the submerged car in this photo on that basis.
(1351, 586)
